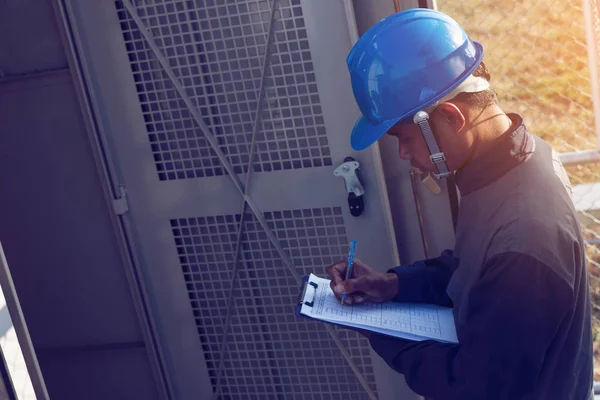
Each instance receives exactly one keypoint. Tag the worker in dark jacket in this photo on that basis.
(517, 278)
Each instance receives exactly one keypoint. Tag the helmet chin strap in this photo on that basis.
(437, 157)
(472, 84)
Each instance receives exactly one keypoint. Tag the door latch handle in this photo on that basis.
(349, 171)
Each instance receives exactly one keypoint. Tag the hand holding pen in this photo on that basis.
(360, 283)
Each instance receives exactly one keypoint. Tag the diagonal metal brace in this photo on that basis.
(242, 189)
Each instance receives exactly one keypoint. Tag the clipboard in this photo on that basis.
(322, 301)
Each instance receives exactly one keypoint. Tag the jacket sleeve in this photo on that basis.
(514, 312)
(426, 281)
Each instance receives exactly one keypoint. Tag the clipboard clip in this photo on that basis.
(314, 294)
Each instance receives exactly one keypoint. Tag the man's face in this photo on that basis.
(448, 123)
(412, 146)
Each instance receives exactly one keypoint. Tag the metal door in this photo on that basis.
(185, 91)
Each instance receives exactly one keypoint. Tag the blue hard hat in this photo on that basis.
(403, 64)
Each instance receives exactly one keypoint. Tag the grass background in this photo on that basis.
(537, 55)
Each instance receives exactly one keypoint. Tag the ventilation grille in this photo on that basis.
(271, 353)
(216, 51)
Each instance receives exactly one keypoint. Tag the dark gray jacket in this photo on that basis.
(517, 281)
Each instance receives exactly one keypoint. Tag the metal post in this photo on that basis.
(580, 157)
(592, 47)
(415, 182)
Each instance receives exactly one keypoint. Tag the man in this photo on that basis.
(516, 278)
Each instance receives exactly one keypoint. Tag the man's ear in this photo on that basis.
(451, 115)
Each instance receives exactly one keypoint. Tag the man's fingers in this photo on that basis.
(337, 294)
(350, 286)
(355, 299)
(332, 285)
(336, 272)
(344, 287)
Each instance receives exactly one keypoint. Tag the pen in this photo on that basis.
(350, 263)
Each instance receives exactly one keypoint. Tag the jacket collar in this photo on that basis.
(510, 150)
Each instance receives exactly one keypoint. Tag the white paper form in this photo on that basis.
(406, 320)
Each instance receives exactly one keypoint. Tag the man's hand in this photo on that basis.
(366, 284)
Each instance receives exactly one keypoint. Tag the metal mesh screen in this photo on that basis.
(216, 49)
(271, 353)
(537, 54)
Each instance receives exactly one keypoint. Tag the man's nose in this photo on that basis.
(403, 151)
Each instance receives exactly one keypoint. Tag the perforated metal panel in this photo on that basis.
(272, 353)
(216, 49)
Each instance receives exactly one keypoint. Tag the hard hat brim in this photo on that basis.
(364, 133)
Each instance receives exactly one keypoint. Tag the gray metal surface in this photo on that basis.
(23, 50)
(172, 177)
(55, 225)
(59, 237)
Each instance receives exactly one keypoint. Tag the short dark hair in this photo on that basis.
(480, 100)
